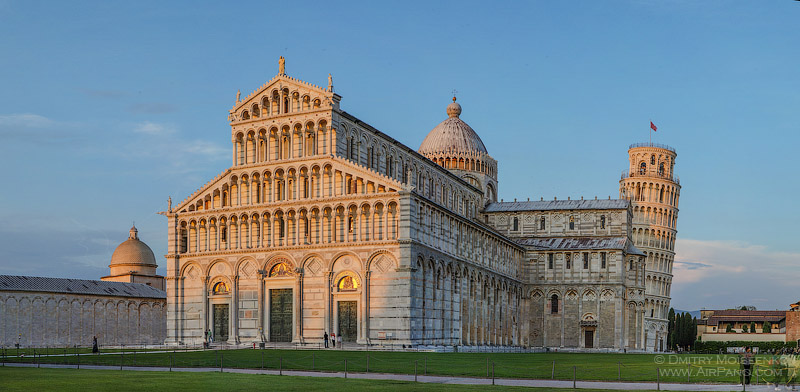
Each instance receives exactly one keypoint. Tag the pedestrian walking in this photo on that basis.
(333, 339)
(747, 365)
(325, 339)
(210, 336)
(95, 350)
(339, 338)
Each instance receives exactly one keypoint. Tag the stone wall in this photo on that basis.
(39, 319)
(792, 326)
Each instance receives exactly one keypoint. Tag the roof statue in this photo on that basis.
(238, 95)
(282, 66)
(169, 203)
(330, 82)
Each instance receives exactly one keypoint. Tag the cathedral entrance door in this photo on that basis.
(348, 320)
(588, 338)
(221, 315)
(280, 315)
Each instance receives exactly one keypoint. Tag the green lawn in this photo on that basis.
(594, 366)
(32, 379)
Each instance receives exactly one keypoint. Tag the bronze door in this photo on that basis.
(221, 314)
(589, 336)
(348, 321)
(280, 315)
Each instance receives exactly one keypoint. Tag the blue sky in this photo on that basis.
(107, 108)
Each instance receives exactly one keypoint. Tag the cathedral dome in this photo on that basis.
(452, 135)
(133, 255)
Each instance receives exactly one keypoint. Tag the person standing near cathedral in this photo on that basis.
(325, 338)
(333, 339)
(95, 350)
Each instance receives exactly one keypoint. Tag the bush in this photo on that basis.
(715, 347)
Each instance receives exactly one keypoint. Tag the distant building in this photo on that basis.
(133, 262)
(793, 323)
(40, 312)
(736, 325)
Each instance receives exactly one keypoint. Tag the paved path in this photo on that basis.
(439, 379)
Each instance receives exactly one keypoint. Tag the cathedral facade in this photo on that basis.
(326, 224)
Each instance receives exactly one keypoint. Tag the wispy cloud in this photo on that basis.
(24, 120)
(728, 273)
(152, 128)
(203, 147)
(35, 128)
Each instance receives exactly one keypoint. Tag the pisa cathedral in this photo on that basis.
(326, 224)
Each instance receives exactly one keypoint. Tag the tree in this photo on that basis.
(744, 328)
(767, 327)
(752, 327)
(729, 328)
(671, 329)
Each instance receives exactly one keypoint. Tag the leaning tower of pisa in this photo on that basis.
(653, 189)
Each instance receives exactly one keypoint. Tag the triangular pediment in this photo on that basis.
(280, 84)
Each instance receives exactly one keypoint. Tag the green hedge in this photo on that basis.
(715, 347)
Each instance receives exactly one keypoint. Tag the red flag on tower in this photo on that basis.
(653, 126)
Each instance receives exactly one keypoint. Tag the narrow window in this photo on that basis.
(541, 223)
(554, 304)
(516, 224)
(282, 229)
(224, 234)
(568, 260)
(630, 265)
(661, 169)
(642, 168)
(184, 241)
(550, 261)
(586, 261)
(602, 221)
(572, 223)
(350, 224)
(602, 260)
(652, 159)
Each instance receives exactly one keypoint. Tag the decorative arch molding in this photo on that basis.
(337, 257)
(217, 262)
(278, 258)
(381, 260)
(189, 264)
(341, 279)
(214, 281)
(242, 263)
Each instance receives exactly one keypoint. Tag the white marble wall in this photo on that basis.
(38, 319)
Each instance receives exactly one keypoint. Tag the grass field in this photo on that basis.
(587, 366)
(31, 379)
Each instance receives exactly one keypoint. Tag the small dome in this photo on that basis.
(452, 135)
(132, 253)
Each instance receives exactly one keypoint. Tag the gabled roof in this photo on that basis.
(79, 286)
(551, 205)
(581, 243)
(773, 316)
(279, 78)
